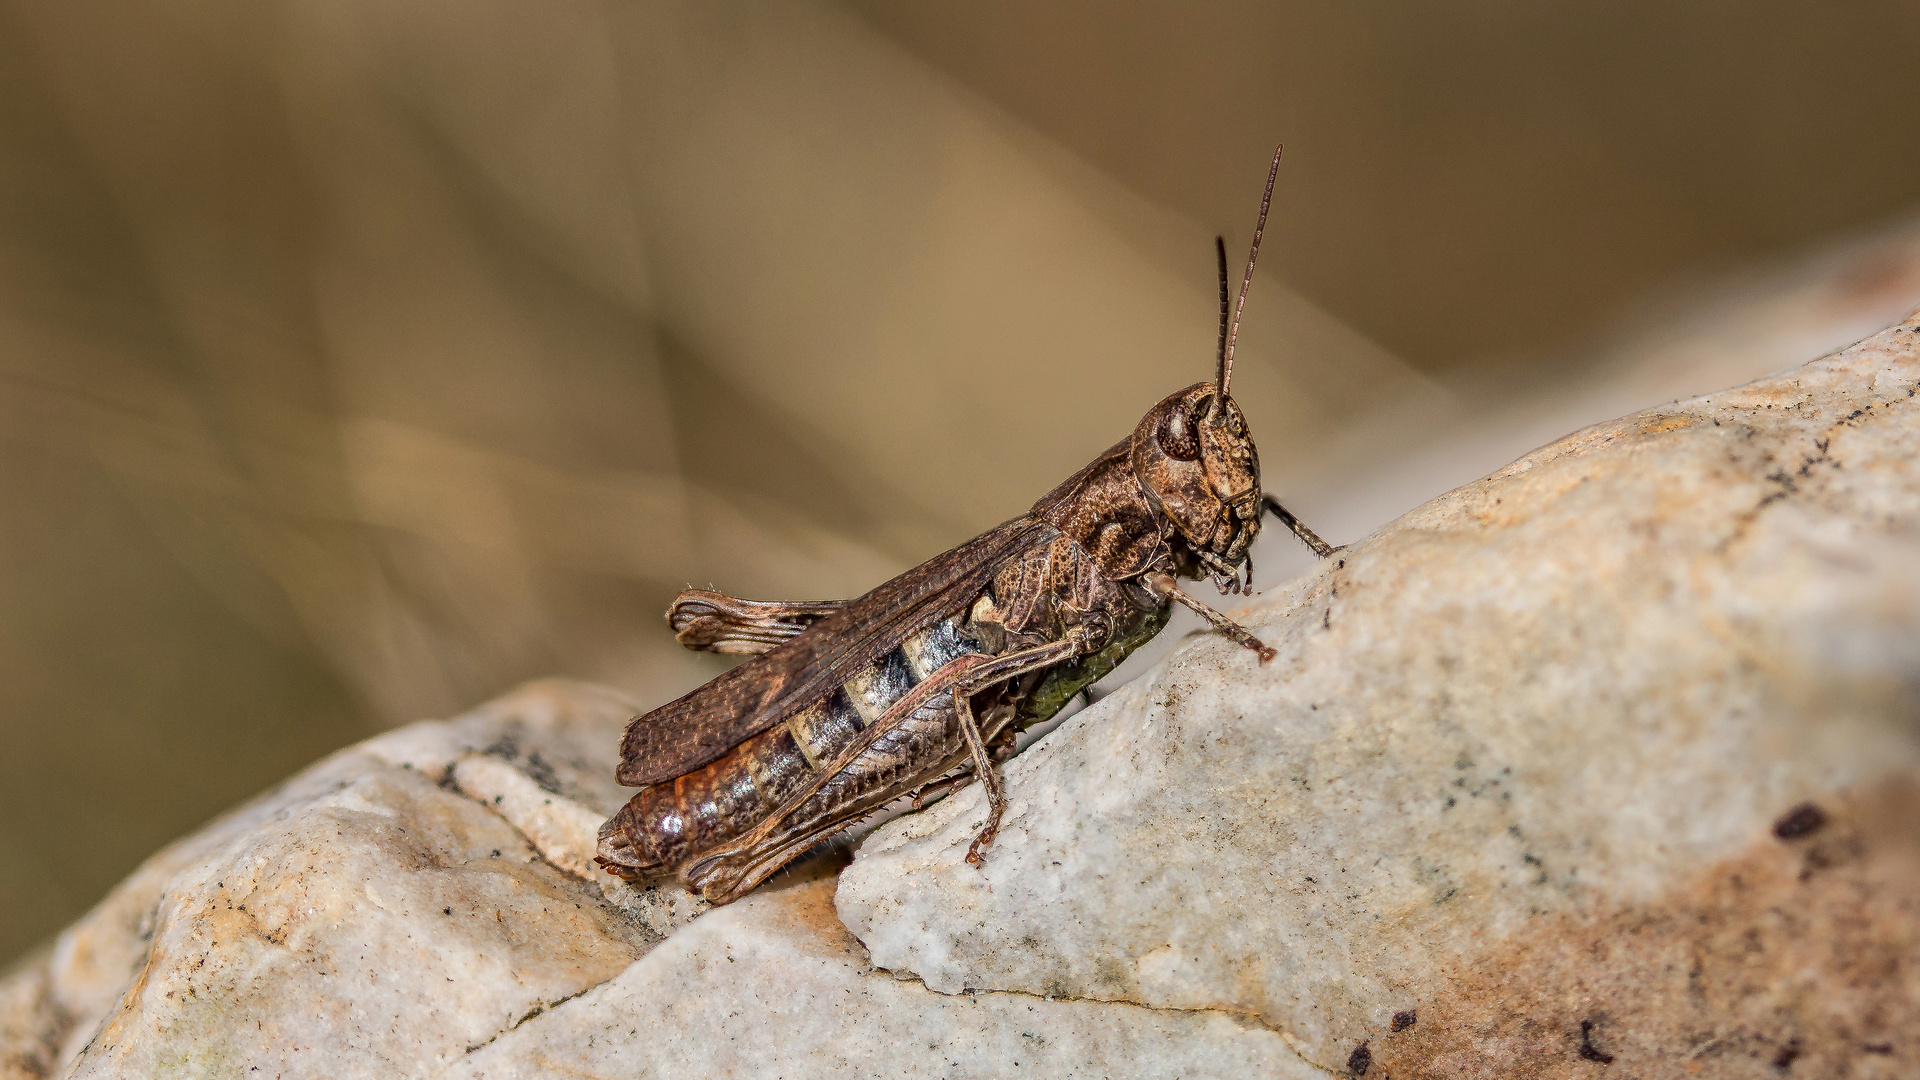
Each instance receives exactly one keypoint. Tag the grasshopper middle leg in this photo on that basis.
(1011, 666)
(999, 748)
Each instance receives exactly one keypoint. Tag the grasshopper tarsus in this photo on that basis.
(974, 858)
(923, 684)
(985, 836)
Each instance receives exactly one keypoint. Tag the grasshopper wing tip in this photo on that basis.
(636, 751)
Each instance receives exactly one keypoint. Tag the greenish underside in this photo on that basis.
(1064, 681)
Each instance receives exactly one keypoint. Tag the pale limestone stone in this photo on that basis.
(421, 903)
(562, 830)
(775, 986)
(317, 858)
(29, 1024)
(565, 833)
(1514, 771)
(94, 960)
(380, 930)
(558, 733)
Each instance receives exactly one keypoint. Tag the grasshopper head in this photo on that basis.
(1192, 453)
(1198, 466)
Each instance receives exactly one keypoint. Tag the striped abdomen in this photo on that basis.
(666, 823)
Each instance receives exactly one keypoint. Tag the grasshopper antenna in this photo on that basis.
(1253, 256)
(1226, 298)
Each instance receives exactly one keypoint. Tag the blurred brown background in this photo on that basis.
(360, 360)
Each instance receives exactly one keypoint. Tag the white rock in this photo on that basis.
(774, 986)
(1514, 771)
(364, 919)
(29, 1024)
(565, 833)
(381, 930)
(420, 905)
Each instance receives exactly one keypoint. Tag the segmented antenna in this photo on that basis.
(1226, 298)
(1233, 330)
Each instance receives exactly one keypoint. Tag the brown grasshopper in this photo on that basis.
(924, 683)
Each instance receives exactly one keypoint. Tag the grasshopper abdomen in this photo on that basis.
(666, 823)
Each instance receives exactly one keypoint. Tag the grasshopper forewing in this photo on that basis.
(847, 706)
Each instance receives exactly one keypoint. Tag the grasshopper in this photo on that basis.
(923, 684)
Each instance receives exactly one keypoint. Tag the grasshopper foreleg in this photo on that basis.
(1163, 584)
(1307, 536)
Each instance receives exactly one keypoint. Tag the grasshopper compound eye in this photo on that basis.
(1177, 436)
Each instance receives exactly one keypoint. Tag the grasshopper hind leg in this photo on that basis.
(937, 790)
(708, 621)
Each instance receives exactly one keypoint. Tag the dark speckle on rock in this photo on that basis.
(1360, 1060)
(1588, 1050)
(1404, 1019)
(1803, 820)
(541, 772)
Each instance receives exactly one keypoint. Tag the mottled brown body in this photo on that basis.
(892, 728)
(850, 706)
(721, 801)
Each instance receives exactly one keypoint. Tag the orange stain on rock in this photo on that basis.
(1797, 957)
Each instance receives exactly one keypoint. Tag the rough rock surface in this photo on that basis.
(1612, 756)
(424, 904)
(1606, 765)
(364, 919)
(775, 986)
